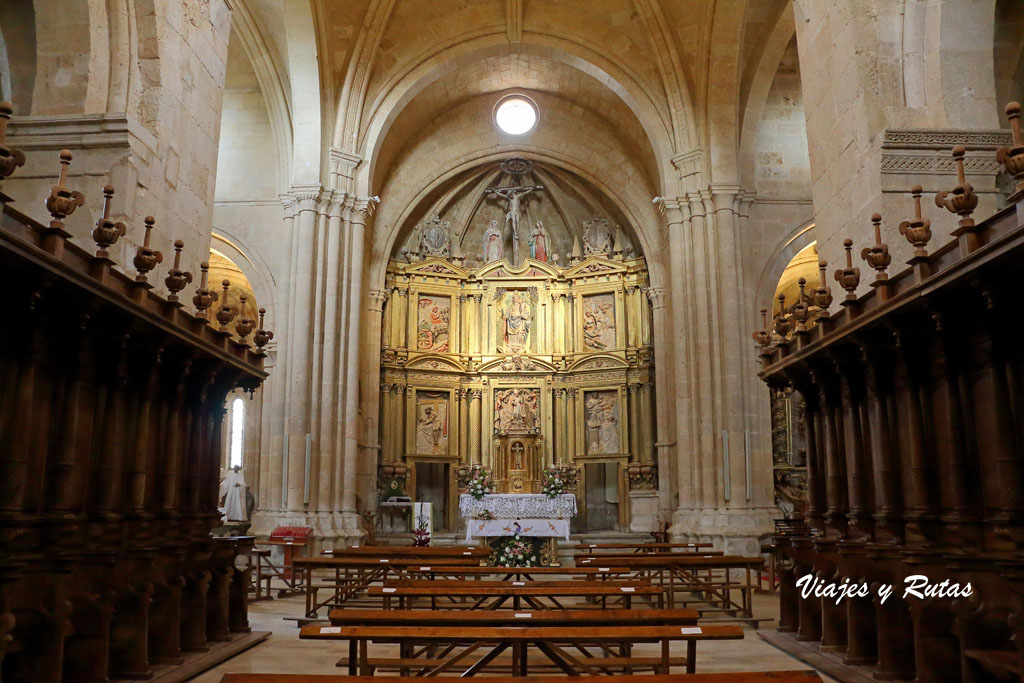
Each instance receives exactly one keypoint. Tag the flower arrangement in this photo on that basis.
(485, 515)
(514, 551)
(552, 483)
(421, 535)
(480, 483)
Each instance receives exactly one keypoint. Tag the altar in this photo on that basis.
(529, 515)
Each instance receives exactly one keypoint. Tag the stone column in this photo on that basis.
(323, 361)
(297, 403)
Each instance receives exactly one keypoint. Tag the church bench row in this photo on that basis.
(738, 677)
(382, 551)
(592, 548)
(353, 575)
(525, 573)
(497, 596)
(567, 617)
(547, 639)
(481, 583)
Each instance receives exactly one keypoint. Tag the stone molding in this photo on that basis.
(80, 131)
(924, 151)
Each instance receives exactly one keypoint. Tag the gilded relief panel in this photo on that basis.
(432, 427)
(516, 324)
(516, 410)
(599, 322)
(601, 422)
(433, 315)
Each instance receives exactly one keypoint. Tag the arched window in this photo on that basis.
(237, 432)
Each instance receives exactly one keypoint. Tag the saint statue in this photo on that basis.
(514, 195)
(492, 243)
(517, 324)
(539, 243)
(232, 491)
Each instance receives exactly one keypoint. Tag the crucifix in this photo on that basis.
(514, 195)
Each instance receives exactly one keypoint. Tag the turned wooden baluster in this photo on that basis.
(1012, 158)
(262, 336)
(962, 201)
(763, 337)
(801, 310)
(245, 325)
(823, 293)
(849, 277)
(204, 297)
(225, 313)
(10, 158)
(61, 203)
(176, 277)
(107, 232)
(146, 258)
(917, 230)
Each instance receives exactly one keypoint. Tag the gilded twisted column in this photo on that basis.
(634, 423)
(571, 422)
(647, 423)
(475, 456)
(559, 440)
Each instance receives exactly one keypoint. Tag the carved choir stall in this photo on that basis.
(914, 429)
(500, 351)
(111, 404)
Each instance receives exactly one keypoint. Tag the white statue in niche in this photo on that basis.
(492, 243)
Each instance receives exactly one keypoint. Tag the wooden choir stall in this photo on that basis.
(915, 447)
(112, 395)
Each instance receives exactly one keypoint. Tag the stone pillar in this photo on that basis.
(300, 335)
(326, 383)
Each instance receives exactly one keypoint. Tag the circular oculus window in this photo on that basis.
(515, 115)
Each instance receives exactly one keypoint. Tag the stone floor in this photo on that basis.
(283, 652)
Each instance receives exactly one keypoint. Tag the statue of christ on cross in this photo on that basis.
(514, 195)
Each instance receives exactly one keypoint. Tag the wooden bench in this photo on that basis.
(566, 617)
(738, 677)
(409, 551)
(591, 548)
(597, 571)
(353, 575)
(493, 597)
(459, 583)
(691, 572)
(547, 639)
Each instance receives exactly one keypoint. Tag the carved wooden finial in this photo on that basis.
(801, 310)
(961, 200)
(763, 336)
(262, 336)
(849, 277)
(62, 201)
(783, 325)
(145, 258)
(204, 297)
(177, 278)
(877, 256)
(245, 325)
(107, 232)
(917, 230)
(10, 158)
(1012, 158)
(823, 294)
(225, 313)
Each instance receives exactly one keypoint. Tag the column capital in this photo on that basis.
(304, 197)
(376, 298)
(658, 296)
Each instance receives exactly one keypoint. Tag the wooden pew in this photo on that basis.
(738, 677)
(694, 573)
(409, 551)
(591, 548)
(352, 575)
(566, 617)
(459, 583)
(597, 571)
(493, 597)
(547, 639)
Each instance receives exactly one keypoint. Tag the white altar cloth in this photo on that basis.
(518, 506)
(489, 528)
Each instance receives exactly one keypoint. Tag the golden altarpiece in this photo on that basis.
(518, 369)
